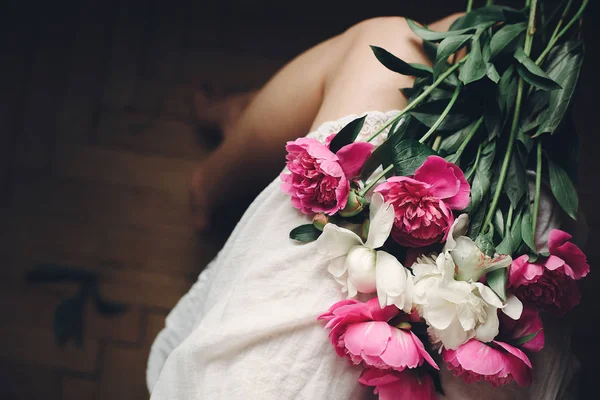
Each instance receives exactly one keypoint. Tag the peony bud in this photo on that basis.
(355, 205)
(320, 220)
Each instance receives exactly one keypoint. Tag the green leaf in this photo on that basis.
(535, 110)
(451, 143)
(408, 155)
(430, 50)
(395, 64)
(305, 233)
(68, 319)
(446, 48)
(533, 74)
(382, 156)
(493, 118)
(516, 180)
(497, 281)
(488, 15)
(484, 242)
(491, 71)
(525, 339)
(505, 37)
(475, 67)
(507, 90)
(563, 189)
(433, 36)
(476, 218)
(428, 114)
(347, 135)
(513, 239)
(527, 230)
(481, 182)
(564, 67)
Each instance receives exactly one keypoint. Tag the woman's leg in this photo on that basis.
(338, 77)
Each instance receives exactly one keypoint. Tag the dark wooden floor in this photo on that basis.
(96, 148)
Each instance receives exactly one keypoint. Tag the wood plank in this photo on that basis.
(15, 72)
(127, 54)
(131, 246)
(20, 381)
(121, 282)
(46, 90)
(116, 385)
(36, 312)
(31, 346)
(229, 69)
(161, 99)
(75, 388)
(121, 167)
(73, 198)
(87, 70)
(146, 134)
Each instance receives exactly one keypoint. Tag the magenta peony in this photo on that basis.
(551, 282)
(423, 204)
(529, 325)
(360, 331)
(409, 384)
(497, 363)
(319, 180)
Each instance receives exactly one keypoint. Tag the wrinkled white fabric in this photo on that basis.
(248, 328)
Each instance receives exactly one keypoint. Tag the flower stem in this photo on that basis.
(472, 133)
(444, 114)
(538, 185)
(509, 219)
(436, 143)
(421, 97)
(469, 5)
(515, 122)
(561, 33)
(375, 180)
(471, 171)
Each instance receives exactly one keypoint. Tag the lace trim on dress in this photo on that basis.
(375, 120)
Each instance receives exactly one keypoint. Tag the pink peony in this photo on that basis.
(528, 324)
(360, 331)
(423, 204)
(390, 385)
(377, 344)
(497, 363)
(551, 282)
(319, 180)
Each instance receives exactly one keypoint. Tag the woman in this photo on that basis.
(248, 328)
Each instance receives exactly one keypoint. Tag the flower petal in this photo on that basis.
(513, 307)
(368, 338)
(353, 156)
(447, 180)
(381, 221)
(394, 283)
(401, 352)
(360, 264)
(336, 242)
(487, 331)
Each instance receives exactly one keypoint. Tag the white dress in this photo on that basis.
(248, 327)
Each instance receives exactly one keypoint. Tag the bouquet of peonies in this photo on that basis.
(441, 236)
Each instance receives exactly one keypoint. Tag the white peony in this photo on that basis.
(470, 261)
(358, 267)
(455, 311)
